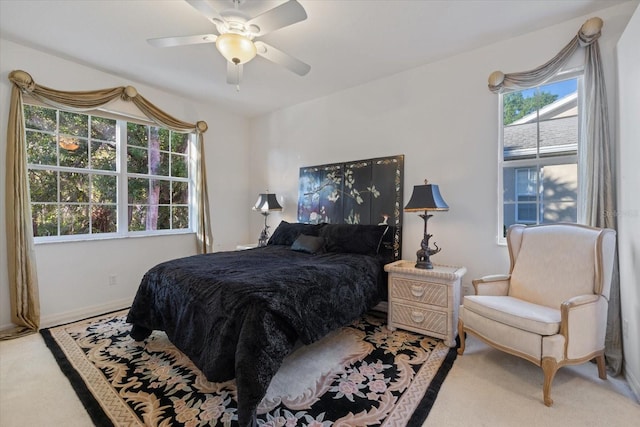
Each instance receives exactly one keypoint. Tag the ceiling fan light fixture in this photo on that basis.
(236, 48)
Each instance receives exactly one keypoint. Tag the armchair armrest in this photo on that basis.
(579, 300)
(583, 323)
(497, 284)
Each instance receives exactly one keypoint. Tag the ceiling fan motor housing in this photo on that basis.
(237, 33)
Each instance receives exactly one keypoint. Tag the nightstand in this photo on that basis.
(425, 301)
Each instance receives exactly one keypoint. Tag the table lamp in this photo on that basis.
(266, 204)
(426, 198)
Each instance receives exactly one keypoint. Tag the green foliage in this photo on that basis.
(103, 129)
(41, 148)
(74, 124)
(43, 186)
(179, 142)
(72, 174)
(103, 156)
(40, 118)
(516, 106)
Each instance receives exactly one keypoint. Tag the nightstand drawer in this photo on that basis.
(421, 318)
(420, 291)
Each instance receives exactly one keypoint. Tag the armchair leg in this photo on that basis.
(461, 335)
(549, 367)
(602, 371)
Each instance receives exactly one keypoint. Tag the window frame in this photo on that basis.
(531, 170)
(121, 173)
(539, 161)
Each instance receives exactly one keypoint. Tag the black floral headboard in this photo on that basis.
(357, 192)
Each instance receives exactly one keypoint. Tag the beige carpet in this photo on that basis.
(484, 388)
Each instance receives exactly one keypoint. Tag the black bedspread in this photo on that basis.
(238, 314)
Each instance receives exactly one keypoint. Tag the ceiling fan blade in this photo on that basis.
(234, 73)
(279, 57)
(182, 40)
(280, 16)
(206, 8)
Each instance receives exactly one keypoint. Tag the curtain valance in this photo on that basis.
(90, 100)
(589, 33)
(23, 281)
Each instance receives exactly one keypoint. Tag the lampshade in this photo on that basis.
(426, 198)
(236, 48)
(267, 202)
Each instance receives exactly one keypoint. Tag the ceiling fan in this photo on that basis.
(237, 35)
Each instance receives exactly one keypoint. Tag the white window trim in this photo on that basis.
(501, 240)
(122, 175)
(536, 193)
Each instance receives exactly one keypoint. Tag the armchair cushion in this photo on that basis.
(553, 264)
(517, 313)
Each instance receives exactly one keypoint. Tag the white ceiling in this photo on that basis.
(346, 42)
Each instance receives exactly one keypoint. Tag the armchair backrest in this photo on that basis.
(552, 263)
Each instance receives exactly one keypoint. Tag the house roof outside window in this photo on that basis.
(558, 130)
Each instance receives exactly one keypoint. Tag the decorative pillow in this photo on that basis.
(353, 238)
(287, 233)
(308, 244)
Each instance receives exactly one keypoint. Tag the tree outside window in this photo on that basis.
(77, 186)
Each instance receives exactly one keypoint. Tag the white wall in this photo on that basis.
(628, 199)
(443, 118)
(73, 276)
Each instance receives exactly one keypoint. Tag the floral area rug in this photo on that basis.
(360, 375)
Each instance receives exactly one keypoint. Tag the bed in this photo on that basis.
(239, 314)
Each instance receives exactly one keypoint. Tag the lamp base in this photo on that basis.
(264, 234)
(426, 265)
(264, 238)
(425, 252)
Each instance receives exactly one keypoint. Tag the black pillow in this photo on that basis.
(308, 244)
(353, 238)
(287, 233)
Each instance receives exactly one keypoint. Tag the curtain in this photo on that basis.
(23, 280)
(21, 266)
(597, 175)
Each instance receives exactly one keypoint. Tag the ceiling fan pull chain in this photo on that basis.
(237, 77)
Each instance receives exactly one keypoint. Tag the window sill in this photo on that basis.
(99, 238)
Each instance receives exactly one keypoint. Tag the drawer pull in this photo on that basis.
(417, 290)
(417, 316)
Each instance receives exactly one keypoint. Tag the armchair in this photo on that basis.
(551, 309)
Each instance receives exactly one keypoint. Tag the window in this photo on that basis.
(526, 195)
(95, 176)
(539, 154)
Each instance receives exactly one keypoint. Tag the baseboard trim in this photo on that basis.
(634, 384)
(83, 313)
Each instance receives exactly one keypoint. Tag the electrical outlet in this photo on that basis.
(113, 280)
(625, 328)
